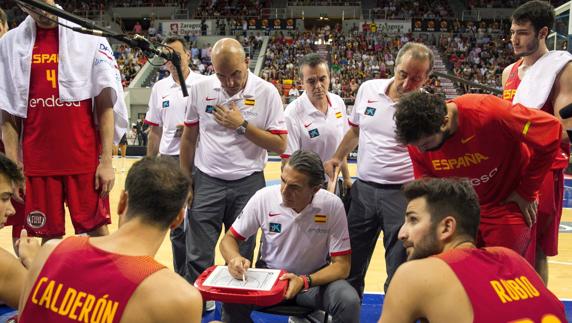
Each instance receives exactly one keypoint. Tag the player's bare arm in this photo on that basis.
(104, 175)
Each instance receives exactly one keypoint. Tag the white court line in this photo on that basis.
(560, 262)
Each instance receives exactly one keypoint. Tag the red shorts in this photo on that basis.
(45, 197)
(550, 212)
(518, 237)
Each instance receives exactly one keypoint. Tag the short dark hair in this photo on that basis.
(418, 114)
(311, 60)
(9, 169)
(173, 39)
(418, 51)
(454, 197)
(309, 163)
(157, 190)
(539, 13)
(3, 17)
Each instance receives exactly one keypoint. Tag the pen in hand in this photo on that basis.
(244, 275)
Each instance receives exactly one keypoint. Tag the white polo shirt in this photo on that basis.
(221, 152)
(167, 110)
(297, 242)
(310, 129)
(381, 158)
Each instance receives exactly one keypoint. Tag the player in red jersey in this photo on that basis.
(504, 149)
(115, 278)
(12, 270)
(448, 279)
(531, 24)
(61, 104)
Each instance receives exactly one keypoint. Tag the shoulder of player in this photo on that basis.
(327, 199)
(565, 76)
(424, 275)
(290, 110)
(162, 84)
(507, 69)
(336, 100)
(166, 296)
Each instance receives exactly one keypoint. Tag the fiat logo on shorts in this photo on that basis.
(36, 219)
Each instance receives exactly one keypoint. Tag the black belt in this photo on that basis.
(384, 186)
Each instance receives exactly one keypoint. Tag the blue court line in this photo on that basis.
(370, 311)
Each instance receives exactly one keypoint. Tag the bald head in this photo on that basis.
(230, 65)
(227, 48)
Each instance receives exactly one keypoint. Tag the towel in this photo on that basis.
(535, 87)
(86, 67)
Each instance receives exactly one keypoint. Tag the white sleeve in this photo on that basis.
(275, 122)
(153, 116)
(248, 221)
(339, 235)
(293, 133)
(354, 117)
(191, 113)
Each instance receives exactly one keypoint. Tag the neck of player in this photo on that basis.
(186, 72)
(321, 104)
(531, 59)
(134, 238)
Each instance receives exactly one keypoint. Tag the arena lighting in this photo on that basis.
(87, 27)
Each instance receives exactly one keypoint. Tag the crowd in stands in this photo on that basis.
(476, 57)
(405, 9)
(230, 8)
(354, 58)
(474, 4)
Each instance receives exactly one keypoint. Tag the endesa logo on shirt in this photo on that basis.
(52, 102)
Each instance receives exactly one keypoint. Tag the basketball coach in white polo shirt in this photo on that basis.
(317, 120)
(383, 163)
(165, 118)
(232, 120)
(304, 231)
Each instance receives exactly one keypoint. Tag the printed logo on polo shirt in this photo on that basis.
(369, 111)
(338, 115)
(249, 102)
(209, 109)
(320, 218)
(166, 104)
(36, 219)
(275, 227)
(314, 133)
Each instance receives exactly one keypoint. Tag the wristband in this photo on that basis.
(309, 281)
(306, 284)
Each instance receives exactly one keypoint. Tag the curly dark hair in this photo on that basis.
(417, 115)
(9, 169)
(448, 197)
(539, 13)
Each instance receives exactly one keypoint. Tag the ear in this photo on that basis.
(445, 123)
(543, 32)
(179, 219)
(447, 228)
(122, 205)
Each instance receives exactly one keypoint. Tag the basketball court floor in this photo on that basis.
(560, 267)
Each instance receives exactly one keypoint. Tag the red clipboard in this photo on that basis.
(241, 296)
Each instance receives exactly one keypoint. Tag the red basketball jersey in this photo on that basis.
(81, 283)
(59, 138)
(502, 286)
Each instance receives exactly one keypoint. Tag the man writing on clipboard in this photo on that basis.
(302, 225)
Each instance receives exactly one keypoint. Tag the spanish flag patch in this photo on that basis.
(249, 101)
(320, 218)
(338, 115)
